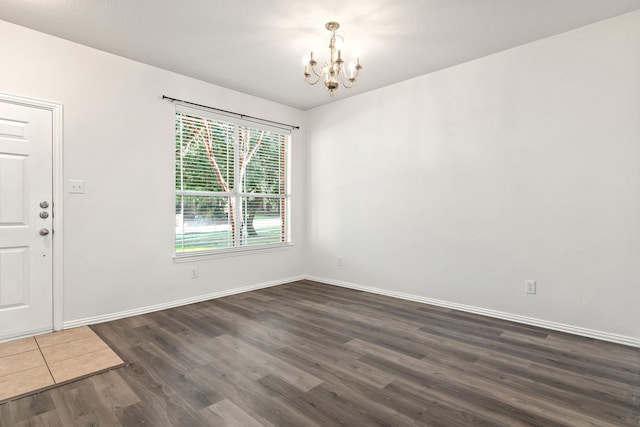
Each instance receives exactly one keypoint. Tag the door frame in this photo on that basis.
(57, 197)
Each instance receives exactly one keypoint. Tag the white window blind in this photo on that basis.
(231, 183)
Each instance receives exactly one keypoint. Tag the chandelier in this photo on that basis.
(333, 71)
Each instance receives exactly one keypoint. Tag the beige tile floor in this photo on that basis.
(33, 363)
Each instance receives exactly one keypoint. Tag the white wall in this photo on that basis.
(459, 185)
(118, 137)
(455, 186)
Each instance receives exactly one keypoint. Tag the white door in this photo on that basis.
(26, 252)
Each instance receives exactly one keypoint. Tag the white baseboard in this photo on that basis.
(575, 330)
(171, 304)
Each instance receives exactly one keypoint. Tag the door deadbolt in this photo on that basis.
(44, 204)
(44, 215)
(44, 231)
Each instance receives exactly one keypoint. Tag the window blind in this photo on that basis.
(231, 183)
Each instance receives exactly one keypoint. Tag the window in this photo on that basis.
(231, 184)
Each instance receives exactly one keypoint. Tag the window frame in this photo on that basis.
(235, 193)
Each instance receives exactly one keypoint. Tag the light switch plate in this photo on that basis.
(76, 186)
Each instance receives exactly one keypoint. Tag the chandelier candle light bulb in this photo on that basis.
(332, 71)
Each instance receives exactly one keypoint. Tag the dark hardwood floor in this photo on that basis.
(309, 354)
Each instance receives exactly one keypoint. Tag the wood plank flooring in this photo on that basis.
(308, 354)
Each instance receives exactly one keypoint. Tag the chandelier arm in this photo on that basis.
(313, 68)
(345, 84)
(352, 77)
(312, 82)
(308, 76)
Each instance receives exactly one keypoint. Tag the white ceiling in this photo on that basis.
(257, 46)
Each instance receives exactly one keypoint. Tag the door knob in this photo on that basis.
(44, 215)
(44, 231)
(44, 204)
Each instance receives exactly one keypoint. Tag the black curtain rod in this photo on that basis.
(242, 116)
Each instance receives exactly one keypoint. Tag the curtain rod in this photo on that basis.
(242, 116)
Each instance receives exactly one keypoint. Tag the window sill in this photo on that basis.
(223, 253)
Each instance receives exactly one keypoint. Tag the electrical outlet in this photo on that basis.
(339, 262)
(530, 287)
(194, 273)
